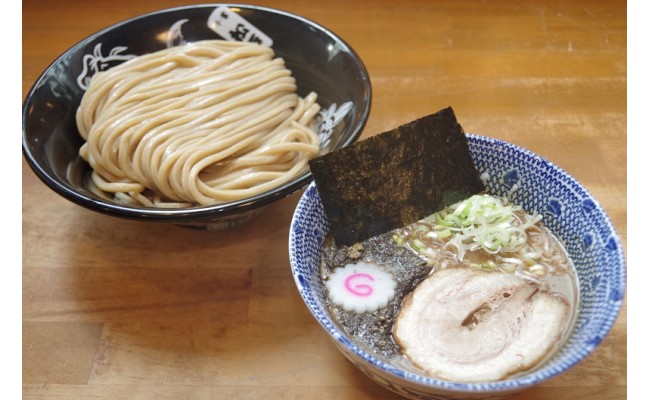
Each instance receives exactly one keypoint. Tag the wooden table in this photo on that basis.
(118, 309)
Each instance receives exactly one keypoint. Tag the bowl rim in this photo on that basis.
(196, 213)
(512, 384)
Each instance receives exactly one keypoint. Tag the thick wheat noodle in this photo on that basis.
(198, 124)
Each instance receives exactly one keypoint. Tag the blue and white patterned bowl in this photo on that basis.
(538, 185)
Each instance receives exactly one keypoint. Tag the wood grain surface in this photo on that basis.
(117, 309)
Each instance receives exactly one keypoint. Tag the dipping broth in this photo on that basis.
(529, 256)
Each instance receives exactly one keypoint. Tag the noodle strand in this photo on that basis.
(199, 124)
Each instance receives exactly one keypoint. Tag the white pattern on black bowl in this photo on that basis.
(568, 209)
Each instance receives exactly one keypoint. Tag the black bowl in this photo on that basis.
(319, 60)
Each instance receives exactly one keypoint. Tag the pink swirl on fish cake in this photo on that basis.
(361, 287)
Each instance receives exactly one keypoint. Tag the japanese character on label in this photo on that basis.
(232, 26)
(239, 33)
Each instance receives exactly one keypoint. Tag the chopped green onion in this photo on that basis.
(480, 222)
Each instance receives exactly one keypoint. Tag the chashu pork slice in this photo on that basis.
(465, 325)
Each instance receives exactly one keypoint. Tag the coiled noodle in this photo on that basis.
(198, 124)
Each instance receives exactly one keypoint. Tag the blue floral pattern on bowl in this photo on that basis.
(568, 209)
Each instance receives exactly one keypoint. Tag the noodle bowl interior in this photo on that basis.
(482, 292)
(198, 124)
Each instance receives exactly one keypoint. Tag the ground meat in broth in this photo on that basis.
(374, 329)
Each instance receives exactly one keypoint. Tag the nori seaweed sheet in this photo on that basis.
(395, 178)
